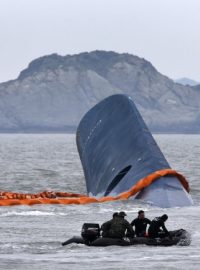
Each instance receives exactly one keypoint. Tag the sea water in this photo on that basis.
(30, 237)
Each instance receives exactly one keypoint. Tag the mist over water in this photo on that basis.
(31, 236)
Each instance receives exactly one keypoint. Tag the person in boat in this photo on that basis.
(157, 227)
(140, 224)
(119, 227)
(105, 227)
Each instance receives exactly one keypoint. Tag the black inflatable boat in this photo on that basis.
(92, 238)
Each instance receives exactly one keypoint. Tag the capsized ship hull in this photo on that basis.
(117, 150)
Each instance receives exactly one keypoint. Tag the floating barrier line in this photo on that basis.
(51, 197)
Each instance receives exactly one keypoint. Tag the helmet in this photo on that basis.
(122, 214)
(164, 217)
(116, 214)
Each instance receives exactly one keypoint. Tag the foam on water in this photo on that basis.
(27, 213)
(31, 236)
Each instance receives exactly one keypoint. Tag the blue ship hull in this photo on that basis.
(117, 150)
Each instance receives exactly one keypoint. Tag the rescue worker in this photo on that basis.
(120, 227)
(140, 224)
(106, 225)
(157, 227)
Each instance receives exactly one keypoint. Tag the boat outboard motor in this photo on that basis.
(90, 232)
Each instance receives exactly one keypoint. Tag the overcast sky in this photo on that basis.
(165, 32)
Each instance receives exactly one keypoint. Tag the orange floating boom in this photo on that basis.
(50, 197)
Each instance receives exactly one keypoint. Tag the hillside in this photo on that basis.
(55, 91)
(187, 81)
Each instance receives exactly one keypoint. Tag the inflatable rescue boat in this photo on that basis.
(90, 236)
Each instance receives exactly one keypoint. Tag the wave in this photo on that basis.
(27, 213)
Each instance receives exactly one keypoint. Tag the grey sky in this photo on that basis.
(165, 32)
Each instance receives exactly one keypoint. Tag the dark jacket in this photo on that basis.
(105, 227)
(119, 227)
(140, 226)
(155, 228)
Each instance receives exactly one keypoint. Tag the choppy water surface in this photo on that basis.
(31, 236)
